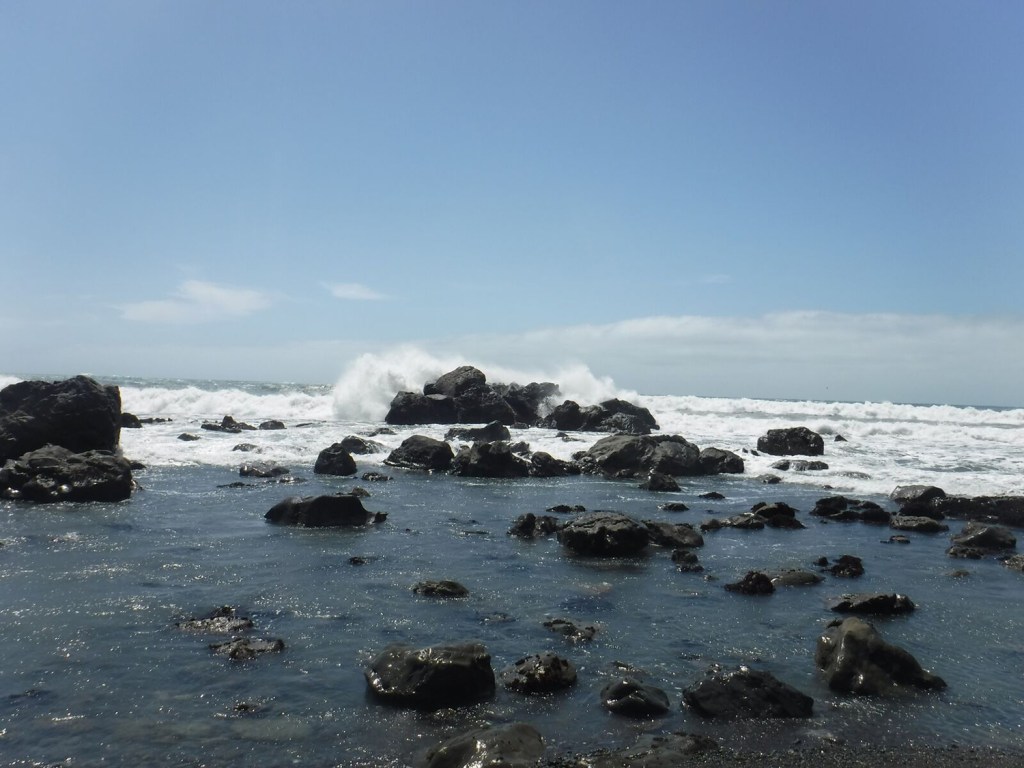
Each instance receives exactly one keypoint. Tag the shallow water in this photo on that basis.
(95, 670)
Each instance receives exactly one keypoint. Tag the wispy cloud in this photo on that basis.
(196, 301)
(353, 292)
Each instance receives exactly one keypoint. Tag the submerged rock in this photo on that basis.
(604, 534)
(744, 693)
(433, 677)
(571, 631)
(982, 539)
(853, 657)
(223, 620)
(340, 510)
(442, 588)
(879, 604)
(488, 460)
(529, 526)
(754, 583)
(632, 698)
(244, 649)
(540, 673)
(517, 745)
(917, 524)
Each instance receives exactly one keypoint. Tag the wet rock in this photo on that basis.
(795, 577)
(842, 509)
(442, 588)
(744, 693)
(188, 437)
(880, 604)
(675, 535)
(375, 477)
(360, 446)
(335, 460)
(658, 481)
(77, 414)
(340, 510)
(246, 448)
(984, 538)
(540, 673)
(916, 494)
(917, 524)
(433, 677)
(517, 745)
(853, 657)
(792, 441)
(488, 460)
(408, 408)
(616, 416)
(638, 456)
(130, 421)
(1015, 563)
(54, 474)
(712, 496)
(769, 479)
(420, 452)
(715, 461)
(747, 521)
(543, 464)
(656, 751)
(272, 424)
(245, 648)
(754, 583)
(491, 433)
(223, 620)
(686, 561)
(673, 506)
(571, 631)
(632, 698)
(898, 539)
(604, 534)
(566, 508)
(846, 566)
(530, 526)
(799, 466)
(228, 425)
(1004, 510)
(777, 514)
(262, 470)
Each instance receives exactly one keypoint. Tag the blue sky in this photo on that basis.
(792, 199)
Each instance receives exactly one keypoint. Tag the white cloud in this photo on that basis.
(196, 301)
(353, 292)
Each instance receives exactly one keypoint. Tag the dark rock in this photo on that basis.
(917, 524)
(746, 694)
(1015, 563)
(527, 401)
(1005, 510)
(769, 479)
(482, 405)
(632, 456)
(335, 460)
(493, 432)
(517, 745)
(409, 408)
(987, 538)
(521, 448)
(443, 588)
(246, 448)
(656, 751)
(916, 494)
(632, 698)
(341, 510)
(616, 416)
(78, 414)
(130, 421)
(432, 678)
(54, 473)
(897, 540)
(382, 431)
(712, 496)
(571, 631)
(272, 424)
(245, 648)
(530, 526)
(566, 508)
(675, 535)
(880, 604)
(847, 566)
(375, 477)
(223, 620)
(540, 673)
(686, 561)
(715, 461)
(673, 506)
(799, 465)
(795, 577)
(605, 534)
(747, 521)
(839, 439)
(853, 657)
(227, 424)
(361, 446)
(657, 481)
(456, 382)
(488, 460)
(262, 470)
(842, 509)
(754, 583)
(545, 465)
(188, 438)
(420, 452)
(362, 493)
(792, 441)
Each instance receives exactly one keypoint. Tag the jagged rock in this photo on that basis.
(245, 648)
(78, 414)
(571, 631)
(566, 508)
(792, 441)
(493, 432)
(527, 401)
(605, 534)
(879, 604)
(501, 746)
(747, 521)
(545, 465)
(223, 620)
(853, 657)
(432, 678)
(529, 526)
(847, 566)
(54, 473)
(420, 452)
(1015, 563)
(673, 506)
(540, 673)
(777, 515)
(917, 524)
(341, 510)
(754, 583)
(632, 698)
(746, 694)
(1005, 510)
(442, 588)
(488, 460)
(227, 424)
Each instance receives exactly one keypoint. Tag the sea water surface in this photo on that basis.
(95, 671)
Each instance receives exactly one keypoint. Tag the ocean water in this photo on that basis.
(95, 672)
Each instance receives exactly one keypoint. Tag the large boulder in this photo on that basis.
(979, 539)
(482, 405)
(335, 460)
(604, 534)
(340, 510)
(527, 401)
(432, 678)
(412, 408)
(360, 445)
(54, 473)
(540, 673)
(613, 415)
(791, 441)
(488, 460)
(518, 745)
(639, 455)
(421, 452)
(745, 693)
(853, 657)
(488, 433)
(78, 414)
(1006, 510)
(715, 461)
(543, 464)
(457, 382)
